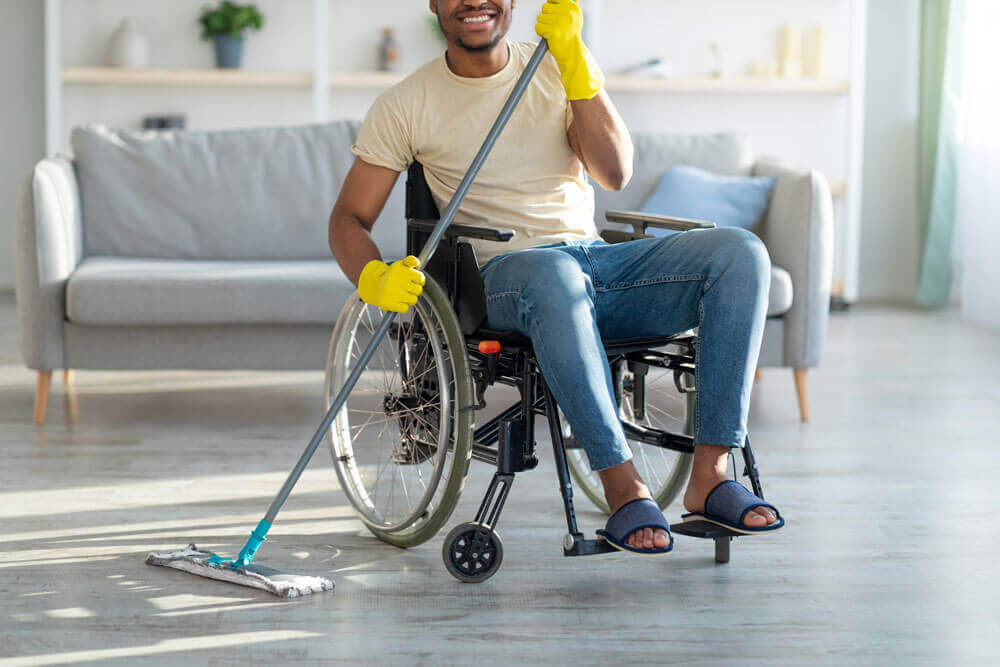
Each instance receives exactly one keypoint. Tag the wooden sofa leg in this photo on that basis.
(42, 395)
(802, 389)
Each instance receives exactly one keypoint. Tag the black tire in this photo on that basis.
(472, 552)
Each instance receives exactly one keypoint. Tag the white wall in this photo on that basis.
(632, 31)
(889, 217)
(803, 129)
(22, 131)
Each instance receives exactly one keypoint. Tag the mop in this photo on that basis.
(241, 570)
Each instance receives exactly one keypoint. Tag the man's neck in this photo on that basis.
(476, 64)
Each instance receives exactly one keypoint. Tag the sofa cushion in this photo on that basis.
(134, 292)
(122, 291)
(779, 300)
(725, 153)
(728, 201)
(229, 194)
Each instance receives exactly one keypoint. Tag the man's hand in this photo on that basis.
(393, 287)
(561, 24)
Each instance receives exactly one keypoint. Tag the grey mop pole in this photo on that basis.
(258, 535)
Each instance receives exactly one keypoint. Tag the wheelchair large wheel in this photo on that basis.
(401, 444)
(664, 471)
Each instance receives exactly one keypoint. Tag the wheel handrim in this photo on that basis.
(382, 404)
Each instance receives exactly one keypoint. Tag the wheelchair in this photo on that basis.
(403, 442)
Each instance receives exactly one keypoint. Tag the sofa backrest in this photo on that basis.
(267, 193)
(724, 153)
(231, 194)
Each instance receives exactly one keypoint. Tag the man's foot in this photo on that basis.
(707, 472)
(622, 484)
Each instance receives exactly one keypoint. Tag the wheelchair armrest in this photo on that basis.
(619, 236)
(467, 231)
(640, 221)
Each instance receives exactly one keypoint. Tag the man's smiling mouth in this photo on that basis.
(479, 19)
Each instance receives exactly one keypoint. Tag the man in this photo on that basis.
(556, 282)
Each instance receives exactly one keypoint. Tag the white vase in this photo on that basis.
(128, 47)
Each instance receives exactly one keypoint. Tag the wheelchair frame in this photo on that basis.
(507, 440)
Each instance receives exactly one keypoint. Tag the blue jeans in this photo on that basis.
(567, 297)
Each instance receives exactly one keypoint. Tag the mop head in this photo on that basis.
(279, 583)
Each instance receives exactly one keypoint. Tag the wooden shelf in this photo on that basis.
(734, 84)
(634, 83)
(161, 76)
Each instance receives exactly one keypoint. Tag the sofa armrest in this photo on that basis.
(48, 246)
(798, 233)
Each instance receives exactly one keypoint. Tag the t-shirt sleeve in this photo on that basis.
(384, 138)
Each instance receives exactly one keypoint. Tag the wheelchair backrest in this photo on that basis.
(419, 200)
(454, 265)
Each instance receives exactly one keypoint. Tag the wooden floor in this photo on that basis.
(890, 554)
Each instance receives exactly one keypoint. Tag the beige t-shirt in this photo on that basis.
(532, 182)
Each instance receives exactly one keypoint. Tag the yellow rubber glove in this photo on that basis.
(393, 287)
(561, 24)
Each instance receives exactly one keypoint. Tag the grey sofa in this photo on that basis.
(208, 250)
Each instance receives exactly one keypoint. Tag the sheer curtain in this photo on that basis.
(977, 201)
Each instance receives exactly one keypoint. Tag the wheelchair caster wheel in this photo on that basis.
(472, 552)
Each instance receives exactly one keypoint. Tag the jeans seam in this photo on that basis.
(697, 375)
(593, 267)
(690, 277)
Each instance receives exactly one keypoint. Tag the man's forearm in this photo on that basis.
(351, 244)
(603, 142)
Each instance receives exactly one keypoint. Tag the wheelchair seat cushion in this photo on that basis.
(726, 506)
(633, 516)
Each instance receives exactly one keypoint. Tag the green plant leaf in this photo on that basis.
(229, 18)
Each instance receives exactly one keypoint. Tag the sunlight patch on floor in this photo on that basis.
(70, 612)
(159, 492)
(165, 647)
(171, 526)
(95, 382)
(215, 609)
(189, 600)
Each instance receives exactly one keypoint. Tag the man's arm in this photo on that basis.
(601, 141)
(361, 199)
(597, 134)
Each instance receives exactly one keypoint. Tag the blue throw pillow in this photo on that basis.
(728, 201)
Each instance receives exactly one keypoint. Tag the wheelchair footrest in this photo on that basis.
(722, 536)
(582, 547)
(705, 529)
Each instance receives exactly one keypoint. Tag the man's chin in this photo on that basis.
(479, 45)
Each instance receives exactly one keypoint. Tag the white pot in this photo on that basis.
(128, 47)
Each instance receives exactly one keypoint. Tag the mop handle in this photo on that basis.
(257, 537)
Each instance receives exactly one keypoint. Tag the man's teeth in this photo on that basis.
(477, 19)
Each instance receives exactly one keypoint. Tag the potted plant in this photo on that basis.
(225, 26)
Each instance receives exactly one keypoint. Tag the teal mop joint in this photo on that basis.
(249, 550)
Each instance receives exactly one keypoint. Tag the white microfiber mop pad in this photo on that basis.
(273, 581)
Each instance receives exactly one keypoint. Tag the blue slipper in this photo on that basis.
(630, 517)
(726, 506)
